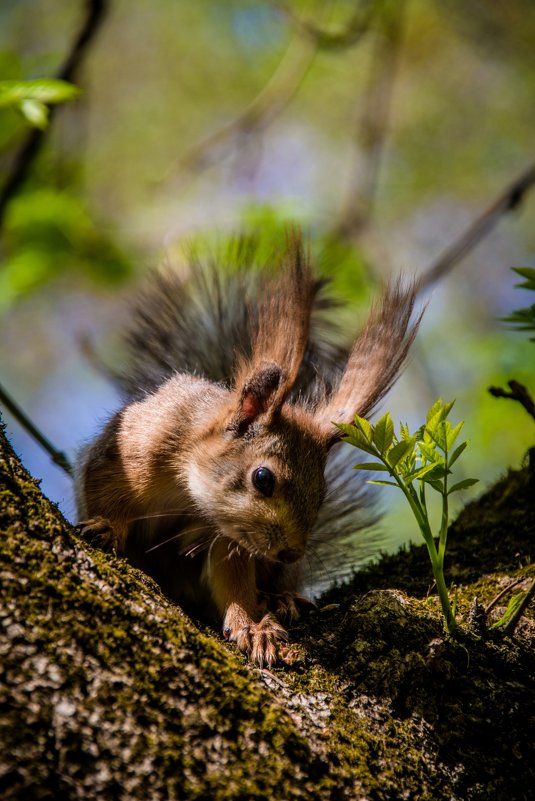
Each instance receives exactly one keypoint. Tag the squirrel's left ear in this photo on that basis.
(262, 394)
(279, 326)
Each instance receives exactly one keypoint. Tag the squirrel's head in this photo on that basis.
(258, 471)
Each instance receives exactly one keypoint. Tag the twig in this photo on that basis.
(346, 37)
(282, 86)
(507, 201)
(518, 393)
(370, 134)
(31, 145)
(57, 456)
(270, 102)
(88, 350)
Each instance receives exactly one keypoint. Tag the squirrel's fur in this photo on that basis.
(217, 476)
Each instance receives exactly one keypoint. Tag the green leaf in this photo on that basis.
(434, 410)
(371, 466)
(400, 451)
(383, 433)
(438, 486)
(364, 427)
(429, 452)
(404, 431)
(385, 483)
(25, 271)
(437, 414)
(50, 233)
(439, 434)
(529, 274)
(420, 432)
(453, 433)
(354, 436)
(406, 466)
(357, 439)
(522, 319)
(35, 112)
(456, 453)
(511, 610)
(421, 472)
(347, 429)
(448, 407)
(467, 482)
(363, 446)
(42, 90)
(436, 473)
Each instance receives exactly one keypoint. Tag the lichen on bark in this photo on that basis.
(107, 690)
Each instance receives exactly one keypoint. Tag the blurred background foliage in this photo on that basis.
(383, 127)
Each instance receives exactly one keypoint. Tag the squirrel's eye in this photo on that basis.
(264, 480)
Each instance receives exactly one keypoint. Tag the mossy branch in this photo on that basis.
(518, 393)
(507, 201)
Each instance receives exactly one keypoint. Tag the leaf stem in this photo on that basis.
(437, 558)
(445, 514)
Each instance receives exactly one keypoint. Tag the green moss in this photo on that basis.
(113, 692)
(130, 692)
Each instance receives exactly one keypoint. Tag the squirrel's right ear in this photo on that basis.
(261, 394)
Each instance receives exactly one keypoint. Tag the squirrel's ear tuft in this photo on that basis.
(259, 395)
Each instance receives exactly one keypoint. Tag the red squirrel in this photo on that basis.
(211, 477)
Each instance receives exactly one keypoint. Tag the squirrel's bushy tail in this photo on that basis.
(204, 319)
(376, 358)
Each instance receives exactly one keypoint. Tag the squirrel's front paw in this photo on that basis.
(262, 642)
(288, 606)
(99, 533)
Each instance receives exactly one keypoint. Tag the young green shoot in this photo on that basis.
(415, 462)
(524, 319)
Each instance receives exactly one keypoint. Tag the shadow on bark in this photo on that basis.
(108, 690)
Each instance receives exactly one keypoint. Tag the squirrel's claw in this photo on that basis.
(98, 532)
(290, 606)
(262, 642)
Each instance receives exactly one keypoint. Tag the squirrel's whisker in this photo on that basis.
(156, 515)
(194, 549)
(176, 537)
(210, 441)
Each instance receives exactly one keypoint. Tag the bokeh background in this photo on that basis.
(383, 128)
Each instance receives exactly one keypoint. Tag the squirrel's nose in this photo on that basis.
(289, 555)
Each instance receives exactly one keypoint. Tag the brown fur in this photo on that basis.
(170, 479)
(282, 328)
(375, 359)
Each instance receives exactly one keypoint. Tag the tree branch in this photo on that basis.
(58, 457)
(340, 39)
(370, 133)
(504, 203)
(518, 393)
(24, 158)
(270, 101)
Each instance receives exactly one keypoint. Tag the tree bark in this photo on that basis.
(108, 690)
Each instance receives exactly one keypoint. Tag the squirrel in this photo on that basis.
(217, 469)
